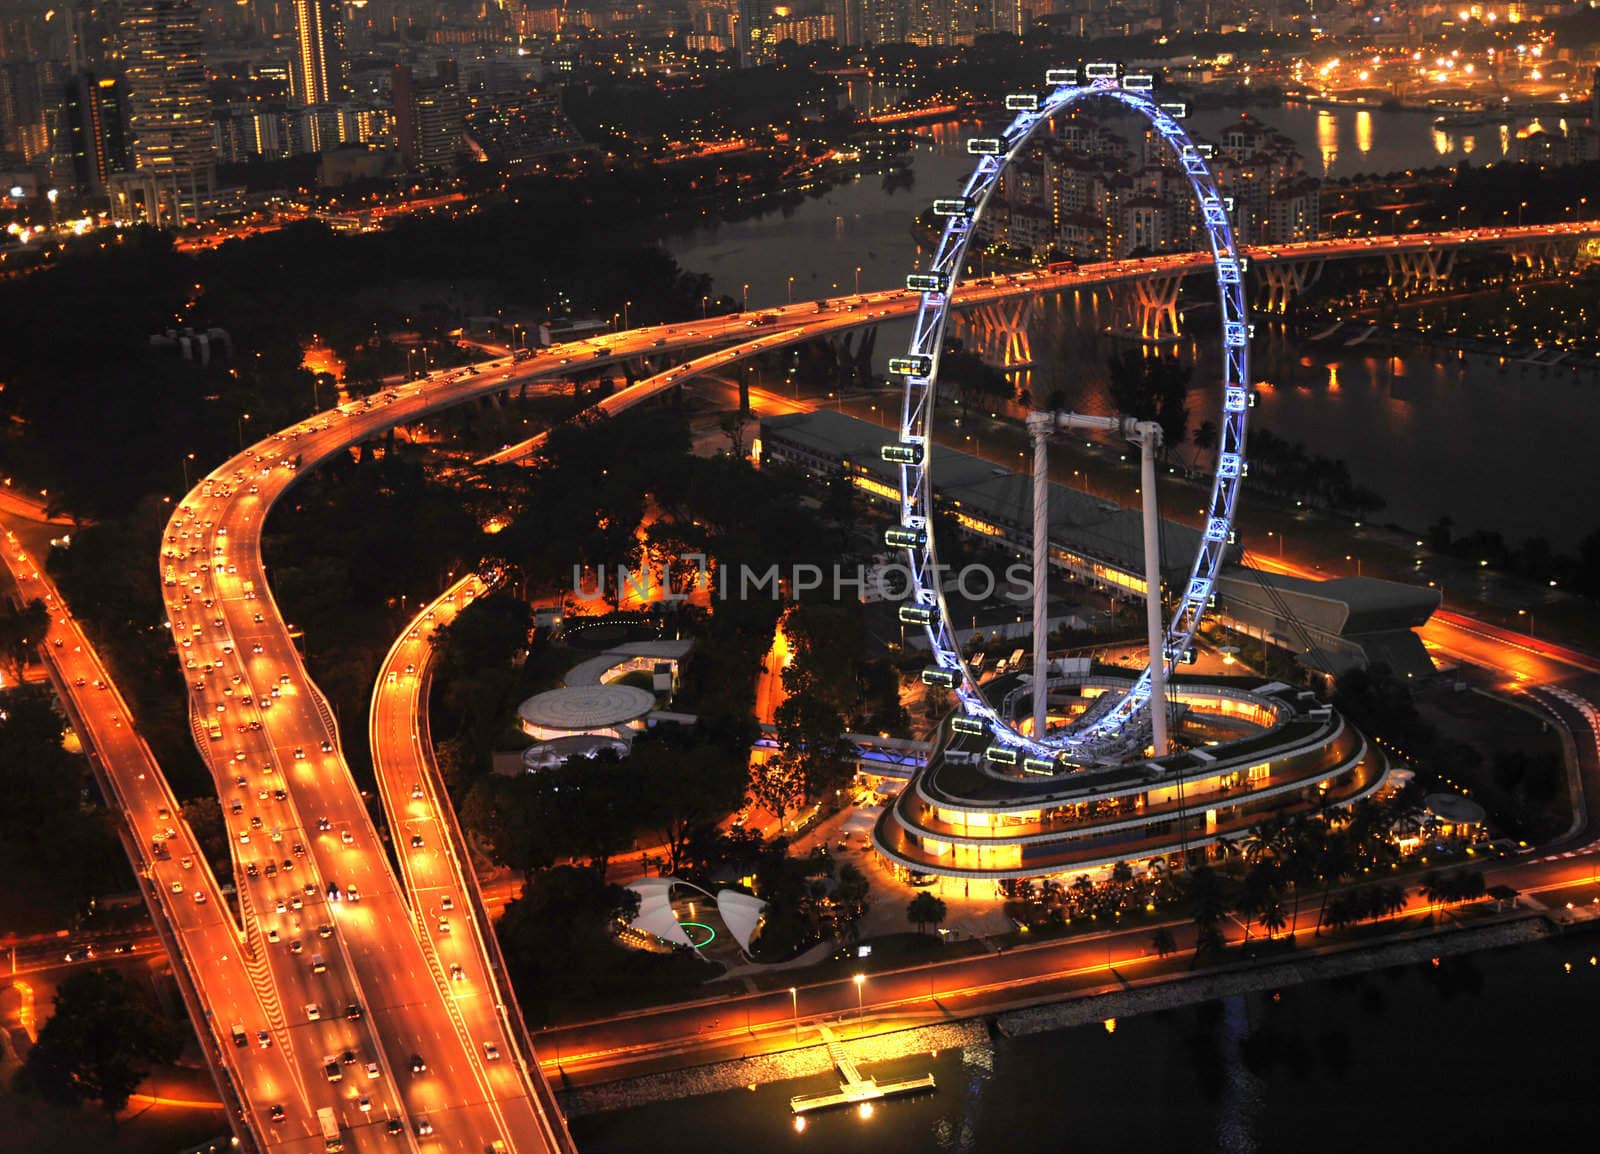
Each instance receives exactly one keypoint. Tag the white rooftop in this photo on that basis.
(586, 707)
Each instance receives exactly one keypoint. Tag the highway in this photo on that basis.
(807, 320)
(220, 974)
(373, 1020)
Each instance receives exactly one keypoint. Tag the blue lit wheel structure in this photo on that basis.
(1078, 744)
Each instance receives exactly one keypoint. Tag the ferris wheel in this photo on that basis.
(1101, 732)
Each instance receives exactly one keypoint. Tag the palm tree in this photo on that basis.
(1335, 862)
(1273, 918)
(1163, 943)
(925, 909)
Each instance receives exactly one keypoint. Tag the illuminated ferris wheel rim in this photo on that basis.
(920, 367)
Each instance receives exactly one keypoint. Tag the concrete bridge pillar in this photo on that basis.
(1001, 329)
(1429, 268)
(1147, 309)
(1286, 280)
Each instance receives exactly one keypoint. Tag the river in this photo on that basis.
(1483, 1052)
(1495, 447)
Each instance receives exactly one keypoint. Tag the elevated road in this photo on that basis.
(767, 329)
(362, 991)
(218, 971)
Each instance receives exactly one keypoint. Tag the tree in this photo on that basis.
(850, 900)
(1153, 388)
(101, 1042)
(778, 783)
(926, 910)
(22, 631)
(1163, 943)
(733, 426)
(811, 736)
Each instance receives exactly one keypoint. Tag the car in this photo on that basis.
(447, 902)
(330, 1069)
(199, 897)
(334, 893)
(347, 837)
(272, 934)
(410, 667)
(444, 925)
(296, 946)
(313, 1011)
(255, 821)
(263, 1039)
(188, 863)
(325, 930)
(416, 791)
(394, 1127)
(457, 974)
(352, 894)
(280, 794)
(280, 906)
(299, 753)
(491, 1051)
(327, 746)
(373, 1071)
(352, 1012)
(422, 1126)
(177, 887)
(418, 1066)
(276, 1113)
(324, 824)
(272, 869)
(241, 781)
(348, 1058)
(416, 841)
(251, 869)
(364, 1104)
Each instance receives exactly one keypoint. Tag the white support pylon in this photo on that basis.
(1147, 435)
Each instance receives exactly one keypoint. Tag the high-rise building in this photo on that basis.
(322, 67)
(97, 141)
(169, 109)
(92, 44)
(888, 21)
(428, 117)
(850, 22)
(750, 30)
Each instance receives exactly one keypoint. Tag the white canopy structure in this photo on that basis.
(740, 912)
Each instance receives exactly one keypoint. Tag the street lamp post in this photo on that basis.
(745, 297)
(791, 290)
(858, 280)
(794, 998)
(703, 301)
(1357, 561)
(1528, 613)
(626, 306)
(861, 1011)
(187, 457)
(243, 417)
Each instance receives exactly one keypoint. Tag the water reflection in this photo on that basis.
(1363, 132)
(1327, 139)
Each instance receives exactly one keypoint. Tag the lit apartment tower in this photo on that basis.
(96, 132)
(428, 117)
(750, 31)
(849, 22)
(169, 110)
(888, 21)
(321, 67)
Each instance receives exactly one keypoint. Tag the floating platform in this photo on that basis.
(855, 1089)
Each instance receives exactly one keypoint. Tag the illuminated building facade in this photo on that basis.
(169, 109)
(322, 67)
(1256, 749)
(96, 131)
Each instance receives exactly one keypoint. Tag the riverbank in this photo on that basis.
(1122, 999)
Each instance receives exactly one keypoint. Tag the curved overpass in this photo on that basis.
(807, 320)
